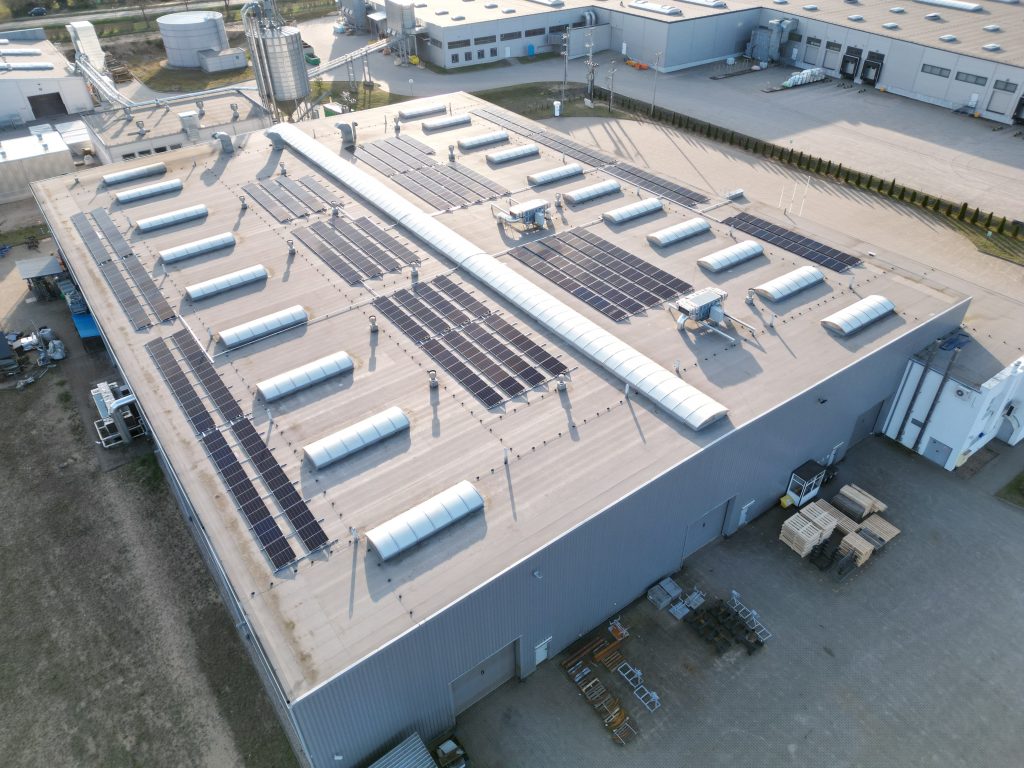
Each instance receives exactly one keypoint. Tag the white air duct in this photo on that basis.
(666, 390)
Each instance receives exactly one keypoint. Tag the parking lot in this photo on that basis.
(913, 660)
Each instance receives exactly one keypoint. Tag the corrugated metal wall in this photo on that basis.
(594, 571)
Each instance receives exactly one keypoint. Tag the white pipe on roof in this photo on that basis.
(424, 520)
(120, 177)
(667, 391)
(356, 437)
(858, 315)
(264, 326)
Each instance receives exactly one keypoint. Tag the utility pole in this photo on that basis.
(565, 64)
(591, 66)
(610, 77)
(654, 93)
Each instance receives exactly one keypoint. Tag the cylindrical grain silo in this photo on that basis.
(185, 34)
(285, 63)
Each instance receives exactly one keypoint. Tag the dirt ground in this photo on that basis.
(117, 650)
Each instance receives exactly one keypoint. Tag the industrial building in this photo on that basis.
(433, 420)
(36, 80)
(959, 55)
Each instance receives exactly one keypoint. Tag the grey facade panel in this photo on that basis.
(595, 570)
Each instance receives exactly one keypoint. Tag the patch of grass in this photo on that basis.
(158, 76)
(365, 98)
(146, 471)
(1013, 491)
(462, 70)
(1001, 246)
(534, 100)
(64, 398)
(21, 234)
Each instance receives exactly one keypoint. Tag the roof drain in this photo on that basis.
(667, 391)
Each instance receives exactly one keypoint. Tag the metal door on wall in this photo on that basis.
(1000, 102)
(831, 56)
(705, 529)
(470, 687)
(937, 452)
(851, 63)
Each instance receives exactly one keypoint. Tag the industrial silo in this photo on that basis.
(286, 65)
(185, 34)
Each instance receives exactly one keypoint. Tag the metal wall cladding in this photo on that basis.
(286, 63)
(595, 570)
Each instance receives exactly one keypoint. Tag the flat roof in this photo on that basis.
(340, 607)
(33, 145)
(48, 54)
(967, 26)
(165, 119)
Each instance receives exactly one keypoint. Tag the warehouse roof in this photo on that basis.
(337, 608)
(21, 54)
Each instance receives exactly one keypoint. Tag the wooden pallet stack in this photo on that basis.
(881, 527)
(842, 522)
(857, 503)
(800, 534)
(821, 518)
(854, 543)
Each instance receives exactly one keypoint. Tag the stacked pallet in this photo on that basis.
(842, 522)
(857, 503)
(800, 534)
(821, 518)
(881, 527)
(853, 543)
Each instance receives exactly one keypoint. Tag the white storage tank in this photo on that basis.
(286, 63)
(185, 34)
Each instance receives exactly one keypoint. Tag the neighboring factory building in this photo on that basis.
(414, 485)
(36, 81)
(959, 55)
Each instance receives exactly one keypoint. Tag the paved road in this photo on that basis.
(127, 12)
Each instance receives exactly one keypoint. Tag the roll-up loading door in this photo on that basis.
(47, 105)
(851, 63)
(471, 686)
(872, 69)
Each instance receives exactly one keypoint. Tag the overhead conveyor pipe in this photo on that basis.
(668, 392)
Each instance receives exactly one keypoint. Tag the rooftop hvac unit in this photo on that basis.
(423, 110)
(483, 140)
(304, 376)
(228, 282)
(264, 326)
(633, 211)
(859, 315)
(531, 214)
(444, 123)
(677, 232)
(149, 190)
(142, 172)
(170, 219)
(592, 192)
(706, 308)
(424, 520)
(731, 256)
(197, 247)
(790, 283)
(512, 153)
(552, 175)
(355, 438)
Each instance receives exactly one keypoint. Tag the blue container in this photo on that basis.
(530, 50)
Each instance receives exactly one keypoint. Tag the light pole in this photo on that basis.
(410, 87)
(591, 66)
(610, 77)
(565, 64)
(654, 93)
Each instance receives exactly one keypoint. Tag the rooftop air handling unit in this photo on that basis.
(705, 308)
(532, 214)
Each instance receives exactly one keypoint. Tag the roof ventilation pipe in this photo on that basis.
(348, 134)
(683, 402)
(115, 409)
(225, 142)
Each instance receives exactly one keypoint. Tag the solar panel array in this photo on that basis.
(483, 352)
(106, 251)
(812, 250)
(449, 186)
(611, 280)
(656, 185)
(241, 487)
(395, 156)
(355, 251)
(507, 120)
(554, 141)
(255, 447)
